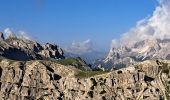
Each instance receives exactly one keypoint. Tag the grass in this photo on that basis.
(87, 74)
(76, 62)
(68, 61)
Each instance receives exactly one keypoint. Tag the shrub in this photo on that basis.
(165, 68)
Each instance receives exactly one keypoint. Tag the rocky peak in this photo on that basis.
(52, 51)
(139, 51)
(23, 49)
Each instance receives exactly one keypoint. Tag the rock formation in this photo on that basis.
(126, 55)
(48, 80)
(30, 71)
(52, 51)
(22, 49)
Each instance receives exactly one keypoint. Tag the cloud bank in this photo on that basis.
(80, 47)
(155, 27)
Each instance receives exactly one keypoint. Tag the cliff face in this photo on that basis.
(48, 80)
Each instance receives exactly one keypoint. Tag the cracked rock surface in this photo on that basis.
(47, 80)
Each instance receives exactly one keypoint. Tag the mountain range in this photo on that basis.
(131, 53)
(32, 71)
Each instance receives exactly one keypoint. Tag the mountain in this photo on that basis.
(22, 49)
(31, 71)
(132, 53)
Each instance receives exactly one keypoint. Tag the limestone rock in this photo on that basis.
(22, 49)
(52, 81)
(128, 54)
(52, 51)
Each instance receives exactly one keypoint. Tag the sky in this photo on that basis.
(65, 22)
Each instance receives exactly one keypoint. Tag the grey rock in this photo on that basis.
(22, 49)
(51, 81)
(1, 36)
(52, 51)
(140, 51)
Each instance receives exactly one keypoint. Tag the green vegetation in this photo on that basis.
(165, 68)
(76, 62)
(86, 74)
(69, 61)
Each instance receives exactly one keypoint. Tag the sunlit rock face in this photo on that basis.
(52, 81)
(22, 49)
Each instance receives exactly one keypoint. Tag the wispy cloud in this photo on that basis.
(156, 26)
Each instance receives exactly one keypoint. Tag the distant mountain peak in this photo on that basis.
(136, 52)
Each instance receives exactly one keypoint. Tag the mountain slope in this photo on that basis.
(89, 57)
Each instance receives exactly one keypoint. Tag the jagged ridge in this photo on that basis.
(22, 49)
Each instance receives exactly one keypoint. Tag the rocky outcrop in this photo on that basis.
(52, 51)
(22, 49)
(48, 80)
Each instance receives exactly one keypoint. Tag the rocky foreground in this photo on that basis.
(50, 80)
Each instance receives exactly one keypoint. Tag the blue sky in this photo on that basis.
(64, 21)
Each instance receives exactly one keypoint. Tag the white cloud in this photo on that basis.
(157, 26)
(80, 47)
(19, 34)
(8, 32)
